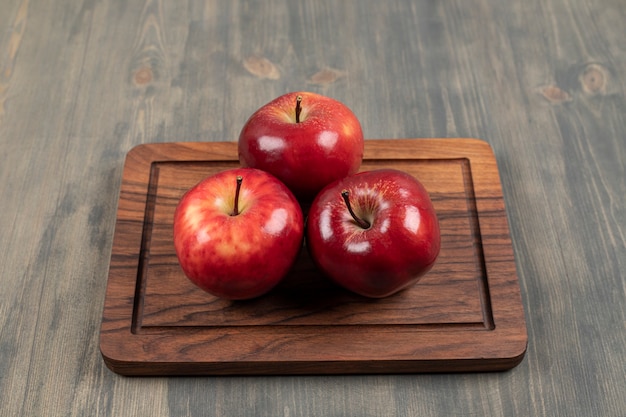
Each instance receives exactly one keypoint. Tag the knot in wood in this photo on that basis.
(594, 79)
(554, 94)
(326, 76)
(261, 67)
(143, 76)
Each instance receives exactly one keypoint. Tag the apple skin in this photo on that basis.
(401, 244)
(325, 145)
(239, 256)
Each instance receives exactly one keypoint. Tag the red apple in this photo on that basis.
(374, 233)
(305, 139)
(237, 233)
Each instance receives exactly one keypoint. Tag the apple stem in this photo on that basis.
(236, 205)
(361, 222)
(298, 108)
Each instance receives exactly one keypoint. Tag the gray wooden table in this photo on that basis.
(544, 82)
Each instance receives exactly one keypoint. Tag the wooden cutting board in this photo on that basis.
(464, 315)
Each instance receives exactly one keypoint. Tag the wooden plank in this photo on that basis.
(465, 315)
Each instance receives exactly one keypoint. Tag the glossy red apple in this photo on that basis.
(374, 233)
(305, 139)
(237, 233)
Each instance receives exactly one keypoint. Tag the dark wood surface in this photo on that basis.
(543, 82)
(464, 315)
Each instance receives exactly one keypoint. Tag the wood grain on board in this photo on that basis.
(464, 315)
